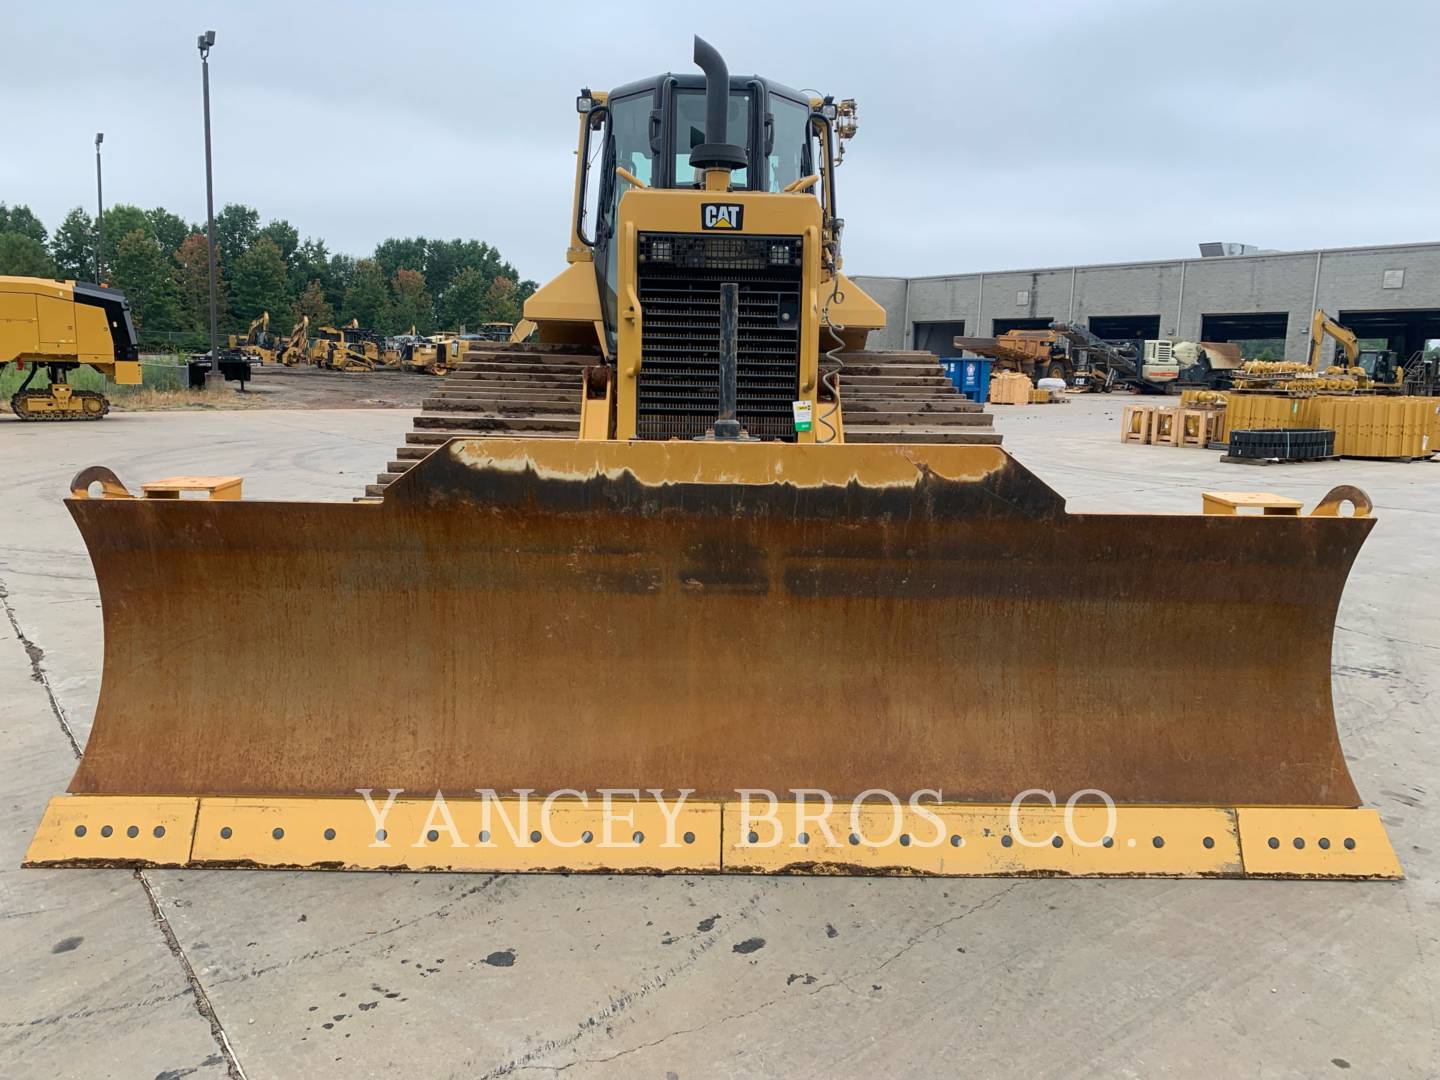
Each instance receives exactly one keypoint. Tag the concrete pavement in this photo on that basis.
(182, 973)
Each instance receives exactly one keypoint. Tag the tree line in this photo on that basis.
(161, 263)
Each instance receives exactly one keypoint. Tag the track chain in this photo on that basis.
(17, 406)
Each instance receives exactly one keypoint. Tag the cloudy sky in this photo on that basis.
(992, 134)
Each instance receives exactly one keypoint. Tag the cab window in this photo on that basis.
(690, 133)
(790, 156)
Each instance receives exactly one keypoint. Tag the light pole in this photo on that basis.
(99, 214)
(204, 42)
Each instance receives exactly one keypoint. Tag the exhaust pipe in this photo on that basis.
(715, 152)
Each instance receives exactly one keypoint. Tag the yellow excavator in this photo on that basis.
(60, 326)
(720, 619)
(1321, 327)
(257, 344)
(292, 350)
(1377, 370)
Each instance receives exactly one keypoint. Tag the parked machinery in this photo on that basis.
(348, 348)
(1039, 354)
(258, 343)
(429, 355)
(1359, 370)
(1071, 352)
(293, 349)
(60, 326)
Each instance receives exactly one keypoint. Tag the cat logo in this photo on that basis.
(714, 215)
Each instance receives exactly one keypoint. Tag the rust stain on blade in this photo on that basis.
(758, 463)
(489, 626)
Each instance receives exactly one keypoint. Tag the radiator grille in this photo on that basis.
(679, 279)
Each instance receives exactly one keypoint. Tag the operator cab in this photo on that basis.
(649, 128)
(1381, 365)
(653, 125)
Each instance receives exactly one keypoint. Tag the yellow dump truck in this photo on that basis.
(58, 326)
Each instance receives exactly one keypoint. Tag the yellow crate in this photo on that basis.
(1010, 388)
(1136, 423)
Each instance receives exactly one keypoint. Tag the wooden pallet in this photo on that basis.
(1170, 425)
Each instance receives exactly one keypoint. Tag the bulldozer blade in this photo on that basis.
(918, 632)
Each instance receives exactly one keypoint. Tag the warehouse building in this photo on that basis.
(1390, 297)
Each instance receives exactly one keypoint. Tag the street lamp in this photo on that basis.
(99, 214)
(204, 43)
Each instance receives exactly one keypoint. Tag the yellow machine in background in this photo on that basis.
(292, 350)
(707, 583)
(1365, 371)
(1376, 370)
(59, 326)
(347, 348)
(1321, 327)
(258, 343)
(427, 355)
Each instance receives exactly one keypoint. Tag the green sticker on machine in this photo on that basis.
(804, 414)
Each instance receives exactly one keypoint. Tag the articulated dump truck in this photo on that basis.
(692, 609)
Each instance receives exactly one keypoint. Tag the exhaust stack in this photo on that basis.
(715, 153)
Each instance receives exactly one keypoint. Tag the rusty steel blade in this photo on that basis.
(547, 615)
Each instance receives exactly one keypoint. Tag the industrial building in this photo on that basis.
(1390, 297)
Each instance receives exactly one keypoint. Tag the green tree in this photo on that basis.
(367, 299)
(120, 221)
(24, 256)
(258, 284)
(20, 219)
(501, 301)
(403, 254)
(191, 274)
(312, 302)
(412, 305)
(444, 259)
(307, 264)
(170, 229)
(284, 236)
(73, 246)
(236, 227)
(142, 271)
(463, 305)
(339, 273)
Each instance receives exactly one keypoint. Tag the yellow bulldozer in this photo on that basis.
(347, 348)
(670, 597)
(59, 326)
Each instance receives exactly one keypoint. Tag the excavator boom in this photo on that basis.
(1321, 327)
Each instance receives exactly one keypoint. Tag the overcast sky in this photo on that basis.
(992, 135)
